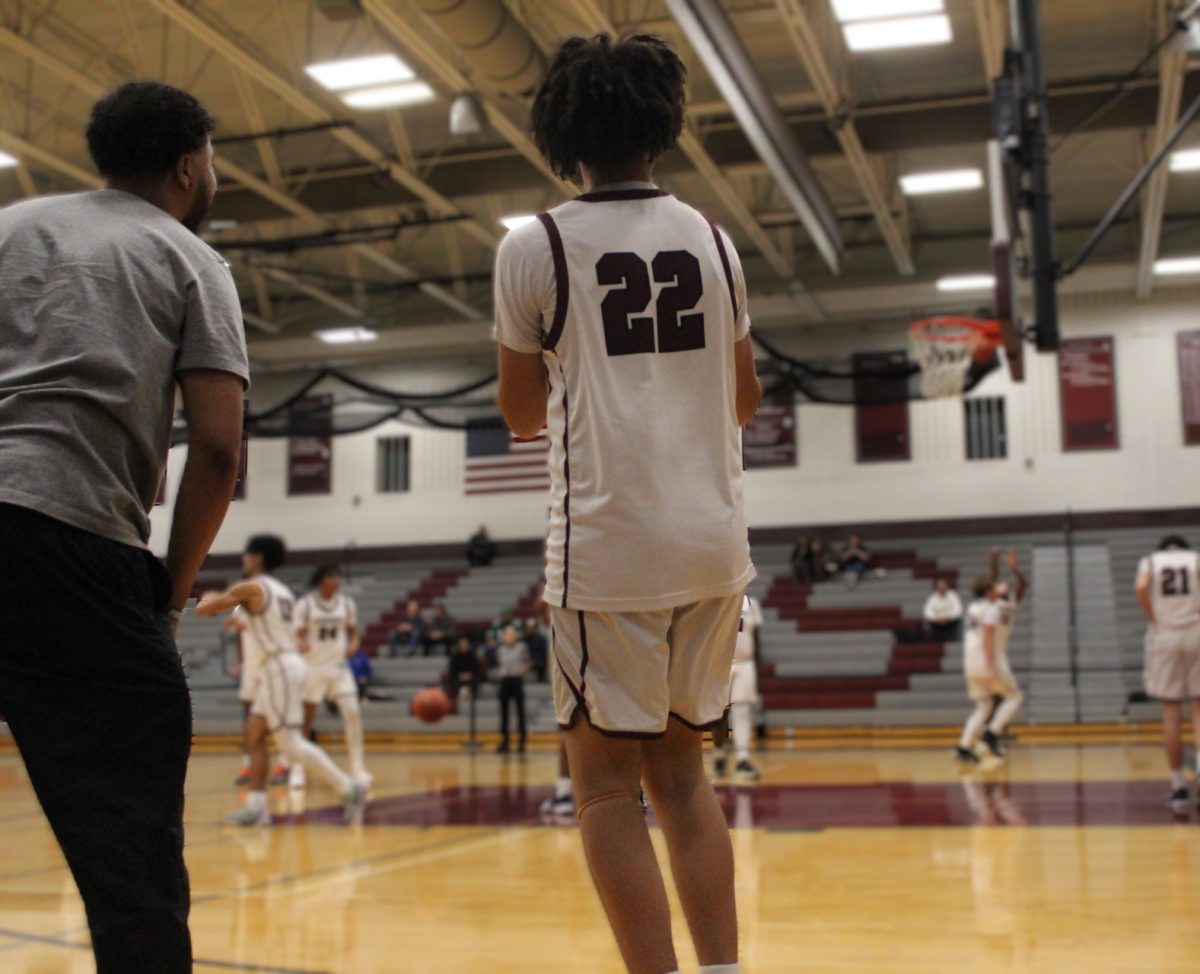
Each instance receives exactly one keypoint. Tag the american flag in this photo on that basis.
(498, 463)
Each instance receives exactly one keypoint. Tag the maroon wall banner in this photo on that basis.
(1088, 391)
(881, 415)
(1188, 347)
(769, 439)
(310, 448)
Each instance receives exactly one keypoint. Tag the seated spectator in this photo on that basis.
(464, 673)
(440, 632)
(854, 561)
(943, 613)
(539, 649)
(360, 668)
(481, 550)
(409, 634)
(802, 561)
(821, 560)
(489, 651)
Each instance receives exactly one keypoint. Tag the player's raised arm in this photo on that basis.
(1145, 579)
(248, 593)
(1013, 563)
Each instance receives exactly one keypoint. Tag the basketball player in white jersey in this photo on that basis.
(277, 708)
(1168, 588)
(623, 330)
(743, 694)
(327, 634)
(988, 673)
(1008, 599)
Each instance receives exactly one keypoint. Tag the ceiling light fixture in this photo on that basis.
(1177, 266)
(967, 282)
(517, 220)
(1186, 160)
(848, 11)
(353, 335)
(390, 96)
(881, 35)
(7, 161)
(949, 181)
(359, 72)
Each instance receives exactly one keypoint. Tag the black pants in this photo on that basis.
(96, 698)
(512, 690)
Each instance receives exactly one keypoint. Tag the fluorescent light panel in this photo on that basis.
(359, 72)
(848, 11)
(949, 181)
(1186, 160)
(517, 220)
(1177, 266)
(353, 335)
(390, 96)
(7, 161)
(881, 35)
(967, 282)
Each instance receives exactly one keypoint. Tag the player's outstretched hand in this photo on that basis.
(1012, 560)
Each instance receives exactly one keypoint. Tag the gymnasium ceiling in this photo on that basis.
(424, 287)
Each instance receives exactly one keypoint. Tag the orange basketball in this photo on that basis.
(431, 704)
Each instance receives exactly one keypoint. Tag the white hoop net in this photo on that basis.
(943, 348)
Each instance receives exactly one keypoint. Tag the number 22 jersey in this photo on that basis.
(635, 300)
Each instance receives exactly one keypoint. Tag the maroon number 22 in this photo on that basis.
(626, 330)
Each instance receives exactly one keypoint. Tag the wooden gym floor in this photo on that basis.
(850, 859)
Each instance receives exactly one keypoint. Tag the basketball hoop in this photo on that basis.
(946, 347)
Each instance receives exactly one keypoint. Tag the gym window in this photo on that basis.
(987, 430)
(391, 465)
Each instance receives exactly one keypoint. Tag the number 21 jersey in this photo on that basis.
(1174, 587)
(635, 301)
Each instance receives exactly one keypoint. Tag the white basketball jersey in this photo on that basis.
(635, 300)
(1174, 587)
(751, 619)
(980, 614)
(326, 627)
(271, 631)
(1008, 608)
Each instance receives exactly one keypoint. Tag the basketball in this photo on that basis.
(431, 705)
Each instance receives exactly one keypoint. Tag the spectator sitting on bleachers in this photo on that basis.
(821, 560)
(943, 613)
(360, 668)
(409, 633)
(854, 562)
(802, 560)
(481, 550)
(440, 632)
(464, 672)
(539, 649)
(488, 651)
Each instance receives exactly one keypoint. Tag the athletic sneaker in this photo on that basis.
(353, 802)
(279, 776)
(364, 778)
(992, 743)
(243, 777)
(745, 771)
(968, 757)
(556, 807)
(247, 816)
(719, 768)
(1179, 800)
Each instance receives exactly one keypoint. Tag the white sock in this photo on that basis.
(743, 729)
(317, 761)
(1178, 779)
(562, 788)
(352, 722)
(1005, 713)
(975, 725)
(256, 800)
(722, 969)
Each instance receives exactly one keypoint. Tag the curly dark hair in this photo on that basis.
(608, 104)
(141, 129)
(1172, 541)
(323, 572)
(270, 547)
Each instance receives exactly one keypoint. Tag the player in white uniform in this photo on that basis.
(1168, 588)
(623, 331)
(277, 708)
(327, 633)
(1008, 599)
(743, 695)
(987, 671)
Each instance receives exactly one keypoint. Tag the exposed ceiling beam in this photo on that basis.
(1172, 65)
(232, 51)
(866, 170)
(991, 18)
(314, 292)
(39, 158)
(689, 143)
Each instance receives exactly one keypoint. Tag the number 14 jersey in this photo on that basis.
(635, 301)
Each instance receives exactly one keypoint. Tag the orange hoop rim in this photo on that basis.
(969, 330)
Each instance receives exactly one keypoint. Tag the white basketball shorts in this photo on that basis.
(280, 696)
(1173, 663)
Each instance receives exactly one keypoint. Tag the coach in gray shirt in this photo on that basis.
(108, 303)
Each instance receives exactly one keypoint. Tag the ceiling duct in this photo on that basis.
(710, 32)
(340, 9)
(497, 44)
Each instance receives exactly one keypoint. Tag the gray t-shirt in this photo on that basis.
(511, 660)
(104, 297)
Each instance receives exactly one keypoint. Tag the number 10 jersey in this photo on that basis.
(635, 301)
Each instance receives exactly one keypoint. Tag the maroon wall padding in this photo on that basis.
(881, 427)
(1087, 381)
(1187, 345)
